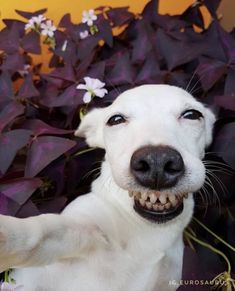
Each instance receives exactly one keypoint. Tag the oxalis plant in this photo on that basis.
(43, 166)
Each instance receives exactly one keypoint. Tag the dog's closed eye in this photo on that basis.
(116, 119)
(192, 114)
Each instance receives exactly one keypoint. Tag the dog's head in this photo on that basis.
(154, 137)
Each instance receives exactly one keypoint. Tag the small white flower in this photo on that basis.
(88, 17)
(11, 287)
(35, 21)
(94, 87)
(38, 19)
(25, 70)
(48, 28)
(84, 34)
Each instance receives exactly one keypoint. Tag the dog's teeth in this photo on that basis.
(144, 195)
(149, 205)
(142, 202)
(153, 198)
(162, 198)
(160, 207)
(167, 205)
(138, 195)
(173, 200)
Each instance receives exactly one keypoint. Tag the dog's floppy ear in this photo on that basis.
(91, 127)
(209, 123)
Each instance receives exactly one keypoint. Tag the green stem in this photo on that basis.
(83, 152)
(215, 235)
(213, 249)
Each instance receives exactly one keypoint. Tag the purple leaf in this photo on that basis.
(70, 97)
(172, 50)
(43, 151)
(19, 24)
(68, 53)
(214, 48)
(13, 62)
(39, 127)
(169, 23)
(20, 189)
(150, 72)
(10, 143)
(193, 15)
(6, 88)
(29, 15)
(27, 89)
(224, 143)
(31, 43)
(56, 205)
(225, 101)
(212, 6)
(227, 42)
(105, 31)
(120, 16)
(142, 45)
(9, 39)
(9, 112)
(64, 73)
(4, 204)
(65, 21)
(122, 73)
(96, 71)
(28, 209)
(86, 46)
(150, 10)
(230, 82)
(210, 71)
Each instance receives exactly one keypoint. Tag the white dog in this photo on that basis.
(126, 235)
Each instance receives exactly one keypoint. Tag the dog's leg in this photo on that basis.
(44, 239)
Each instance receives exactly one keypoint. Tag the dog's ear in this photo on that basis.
(209, 124)
(91, 127)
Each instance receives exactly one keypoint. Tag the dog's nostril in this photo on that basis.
(141, 166)
(173, 167)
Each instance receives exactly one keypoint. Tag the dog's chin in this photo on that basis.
(158, 207)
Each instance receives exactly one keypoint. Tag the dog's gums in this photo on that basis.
(157, 206)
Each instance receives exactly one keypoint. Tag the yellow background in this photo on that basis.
(56, 9)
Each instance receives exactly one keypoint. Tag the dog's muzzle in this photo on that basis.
(157, 168)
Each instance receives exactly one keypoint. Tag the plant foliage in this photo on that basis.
(39, 169)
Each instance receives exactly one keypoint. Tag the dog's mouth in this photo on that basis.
(156, 206)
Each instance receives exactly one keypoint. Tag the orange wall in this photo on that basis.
(56, 9)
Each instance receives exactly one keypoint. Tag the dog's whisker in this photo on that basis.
(215, 196)
(190, 81)
(220, 183)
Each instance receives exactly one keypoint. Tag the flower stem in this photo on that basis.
(213, 249)
(213, 234)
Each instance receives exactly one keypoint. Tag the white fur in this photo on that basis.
(99, 243)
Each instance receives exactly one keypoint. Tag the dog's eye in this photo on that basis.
(116, 119)
(192, 114)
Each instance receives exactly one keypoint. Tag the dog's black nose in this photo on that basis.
(157, 167)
